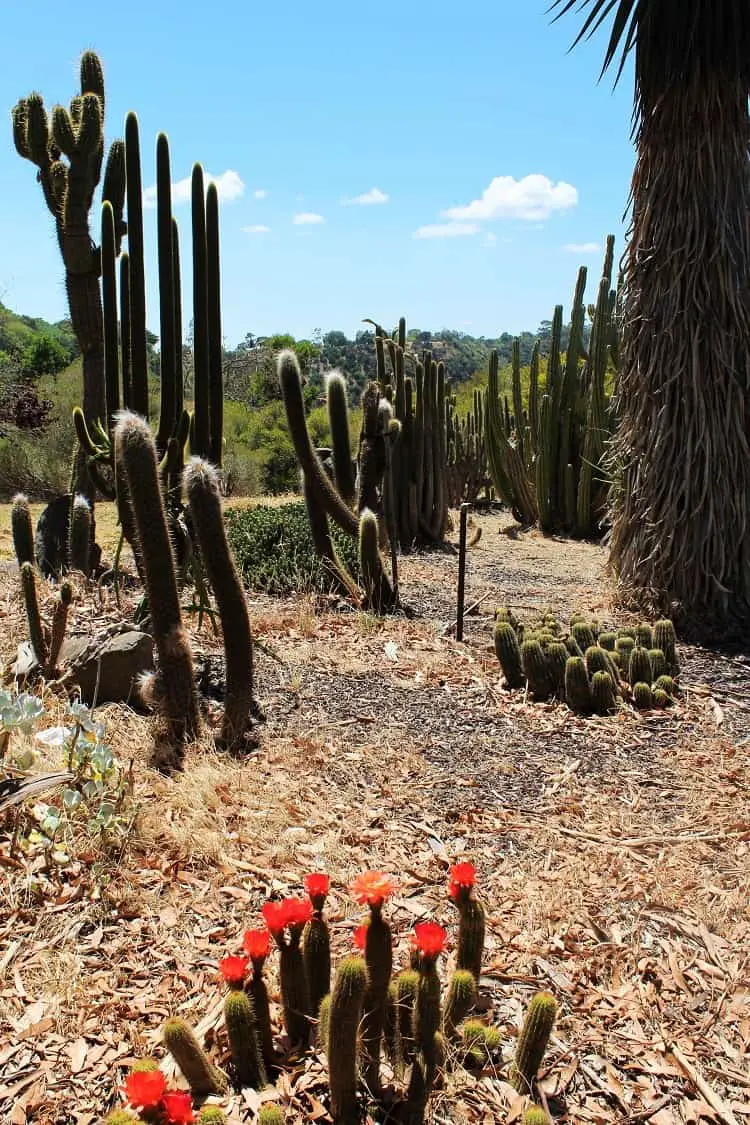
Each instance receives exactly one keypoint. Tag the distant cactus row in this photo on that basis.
(545, 454)
(588, 667)
(360, 1012)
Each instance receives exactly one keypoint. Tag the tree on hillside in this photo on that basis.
(681, 508)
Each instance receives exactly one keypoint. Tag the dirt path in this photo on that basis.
(612, 856)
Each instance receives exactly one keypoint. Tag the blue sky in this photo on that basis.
(373, 159)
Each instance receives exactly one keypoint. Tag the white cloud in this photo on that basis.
(532, 198)
(490, 238)
(260, 193)
(229, 186)
(447, 230)
(582, 248)
(368, 198)
(307, 219)
(256, 228)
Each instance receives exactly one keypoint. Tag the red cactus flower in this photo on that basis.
(298, 911)
(373, 887)
(274, 915)
(144, 1089)
(178, 1107)
(257, 944)
(360, 936)
(317, 886)
(429, 939)
(463, 876)
(234, 970)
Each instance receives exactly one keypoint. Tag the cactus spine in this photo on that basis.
(22, 530)
(135, 453)
(242, 1032)
(204, 500)
(532, 1041)
(202, 1076)
(345, 1012)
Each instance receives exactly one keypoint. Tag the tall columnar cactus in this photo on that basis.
(338, 420)
(176, 691)
(257, 945)
(202, 1076)
(429, 939)
(344, 1018)
(59, 625)
(68, 152)
(471, 925)
(533, 1040)
(204, 500)
(79, 539)
(508, 653)
(242, 1032)
(286, 920)
(407, 983)
(33, 615)
(22, 529)
(316, 943)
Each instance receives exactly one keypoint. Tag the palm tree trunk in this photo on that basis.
(681, 510)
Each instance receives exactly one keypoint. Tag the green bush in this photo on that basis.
(274, 550)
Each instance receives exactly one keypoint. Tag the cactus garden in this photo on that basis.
(375, 707)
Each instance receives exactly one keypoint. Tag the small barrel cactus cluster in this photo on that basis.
(358, 1014)
(588, 666)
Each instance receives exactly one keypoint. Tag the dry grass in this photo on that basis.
(612, 858)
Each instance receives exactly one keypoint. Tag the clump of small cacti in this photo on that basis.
(508, 652)
(533, 1040)
(372, 888)
(202, 1076)
(478, 1040)
(471, 924)
(343, 1027)
(316, 943)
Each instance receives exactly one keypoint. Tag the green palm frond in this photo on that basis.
(673, 39)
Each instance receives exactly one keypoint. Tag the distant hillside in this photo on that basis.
(32, 346)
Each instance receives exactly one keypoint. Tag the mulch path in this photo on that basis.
(612, 858)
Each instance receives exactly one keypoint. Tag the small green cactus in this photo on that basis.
(345, 1012)
(640, 666)
(584, 635)
(390, 1026)
(324, 1022)
(379, 962)
(666, 684)
(259, 996)
(461, 998)
(22, 529)
(642, 696)
(242, 1032)
(202, 1076)
(212, 1115)
(557, 660)
(577, 686)
(535, 1116)
(644, 635)
(479, 1041)
(607, 641)
(624, 647)
(120, 1117)
(508, 653)
(270, 1114)
(603, 693)
(660, 699)
(597, 660)
(144, 1066)
(666, 639)
(536, 669)
(572, 645)
(532, 1041)
(471, 929)
(625, 632)
(406, 983)
(316, 954)
(658, 662)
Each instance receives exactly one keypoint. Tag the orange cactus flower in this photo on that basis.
(234, 970)
(360, 936)
(257, 944)
(429, 939)
(178, 1107)
(317, 886)
(373, 888)
(463, 877)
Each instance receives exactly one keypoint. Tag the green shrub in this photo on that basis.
(274, 550)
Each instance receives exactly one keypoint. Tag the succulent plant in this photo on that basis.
(666, 684)
(666, 639)
(607, 641)
(584, 634)
(202, 1076)
(658, 663)
(344, 1018)
(577, 686)
(533, 1040)
(642, 696)
(536, 669)
(22, 529)
(640, 670)
(508, 653)
(460, 999)
(242, 1032)
(603, 693)
(270, 1114)
(660, 698)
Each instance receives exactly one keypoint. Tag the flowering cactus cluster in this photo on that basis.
(363, 1012)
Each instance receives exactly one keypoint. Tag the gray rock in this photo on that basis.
(105, 669)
